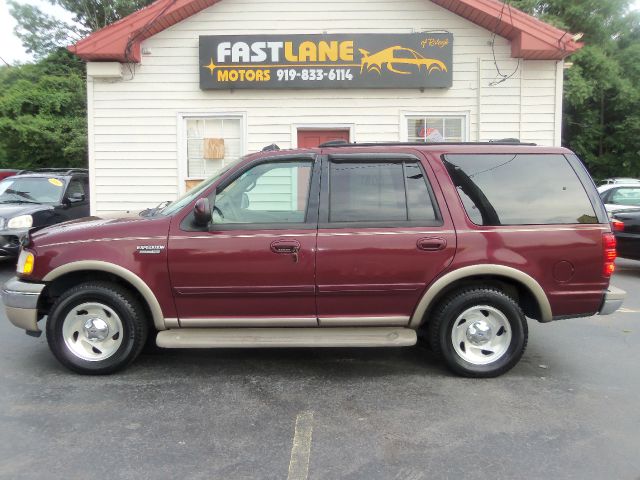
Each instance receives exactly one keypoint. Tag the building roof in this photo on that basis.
(530, 38)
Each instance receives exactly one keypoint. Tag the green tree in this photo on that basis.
(43, 105)
(601, 120)
(41, 33)
(43, 113)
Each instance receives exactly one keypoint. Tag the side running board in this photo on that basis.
(286, 337)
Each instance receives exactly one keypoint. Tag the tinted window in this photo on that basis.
(378, 192)
(418, 198)
(514, 189)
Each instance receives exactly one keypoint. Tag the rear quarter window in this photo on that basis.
(519, 189)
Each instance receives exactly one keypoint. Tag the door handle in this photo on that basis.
(431, 244)
(291, 247)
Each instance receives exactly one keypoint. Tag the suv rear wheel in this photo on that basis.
(479, 332)
(96, 328)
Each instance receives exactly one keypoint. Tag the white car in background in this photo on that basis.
(620, 196)
(609, 181)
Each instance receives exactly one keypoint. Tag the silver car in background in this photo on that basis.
(620, 196)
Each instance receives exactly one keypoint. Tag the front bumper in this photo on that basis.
(613, 299)
(21, 303)
(10, 242)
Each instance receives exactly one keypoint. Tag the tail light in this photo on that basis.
(617, 225)
(609, 250)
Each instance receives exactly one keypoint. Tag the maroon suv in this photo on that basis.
(349, 246)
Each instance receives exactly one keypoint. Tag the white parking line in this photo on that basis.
(628, 310)
(301, 448)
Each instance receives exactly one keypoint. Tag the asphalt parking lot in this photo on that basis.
(570, 409)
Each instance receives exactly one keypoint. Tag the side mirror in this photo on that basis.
(202, 212)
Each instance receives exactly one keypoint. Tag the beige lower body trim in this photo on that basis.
(171, 323)
(132, 278)
(248, 322)
(25, 318)
(216, 322)
(398, 321)
(482, 269)
(286, 337)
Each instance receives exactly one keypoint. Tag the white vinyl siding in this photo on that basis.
(539, 102)
(276, 190)
(135, 125)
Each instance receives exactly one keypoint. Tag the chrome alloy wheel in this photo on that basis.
(481, 335)
(92, 331)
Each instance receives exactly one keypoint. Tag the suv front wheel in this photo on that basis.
(96, 328)
(479, 332)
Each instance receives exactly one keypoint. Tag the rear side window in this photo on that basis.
(378, 192)
(625, 196)
(519, 189)
(76, 185)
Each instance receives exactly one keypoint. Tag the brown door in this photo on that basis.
(313, 138)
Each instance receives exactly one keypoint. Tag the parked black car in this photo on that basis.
(626, 227)
(38, 198)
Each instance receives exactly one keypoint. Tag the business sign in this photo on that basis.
(368, 60)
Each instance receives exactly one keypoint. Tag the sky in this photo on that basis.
(11, 49)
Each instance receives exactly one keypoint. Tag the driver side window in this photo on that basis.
(268, 193)
(76, 187)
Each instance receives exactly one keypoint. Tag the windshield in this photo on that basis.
(189, 196)
(31, 190)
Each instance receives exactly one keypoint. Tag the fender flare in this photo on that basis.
(118, 271)
(485, 269)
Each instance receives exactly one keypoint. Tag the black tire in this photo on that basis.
(119, 300)
(151, 347)
(445, 316)
(423, 339)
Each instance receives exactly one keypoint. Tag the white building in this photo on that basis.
(154, 128)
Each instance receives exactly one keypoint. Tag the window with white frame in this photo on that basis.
(212, 143)
(436, 128)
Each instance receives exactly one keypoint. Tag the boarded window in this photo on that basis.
(212, 143)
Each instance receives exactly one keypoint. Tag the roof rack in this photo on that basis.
(333, 143)
(508, 141)
(60, 171)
